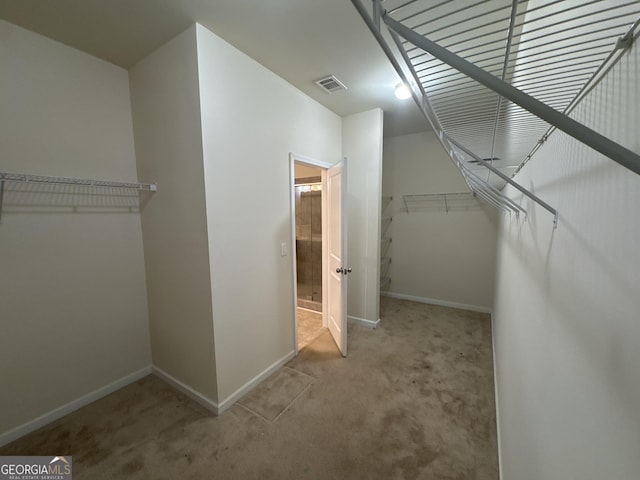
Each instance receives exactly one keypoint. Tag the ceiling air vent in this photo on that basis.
(330, 84)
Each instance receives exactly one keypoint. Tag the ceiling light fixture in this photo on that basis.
(402, 91)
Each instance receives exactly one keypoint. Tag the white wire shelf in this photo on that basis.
(26, 178)
(552, 50)
(42, 198)
(440, 202)
(494, 79)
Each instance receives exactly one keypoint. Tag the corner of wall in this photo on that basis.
(165, 98)
(362, 145)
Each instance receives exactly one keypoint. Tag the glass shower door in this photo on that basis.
(309, 245)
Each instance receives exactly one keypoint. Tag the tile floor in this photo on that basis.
(309, 326)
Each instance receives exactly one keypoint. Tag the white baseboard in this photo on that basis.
(247, 387)
(435, 301)
(363, 322)
(495, 386)
(42, 420)
(190, 392)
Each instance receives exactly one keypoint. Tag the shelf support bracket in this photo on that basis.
(1, 195)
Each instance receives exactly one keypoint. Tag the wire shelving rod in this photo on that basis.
(42, 179)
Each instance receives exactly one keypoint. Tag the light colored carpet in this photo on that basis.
(271, 398)
(414, 400)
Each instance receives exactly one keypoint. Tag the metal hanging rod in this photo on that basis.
(26, 178)
(523, 190)
(484, 189)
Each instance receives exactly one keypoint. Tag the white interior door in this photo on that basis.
(337, 250)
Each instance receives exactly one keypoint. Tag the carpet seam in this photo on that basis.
(292, 402)
(300, 371)
(254, 412)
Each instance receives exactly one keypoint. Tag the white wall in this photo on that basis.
(436, 256)
(168, 135)
(567, 309)
(251, 121)
(362, 145)
(72, 283)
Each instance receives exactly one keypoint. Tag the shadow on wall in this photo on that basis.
(582, 268)
(22, 198)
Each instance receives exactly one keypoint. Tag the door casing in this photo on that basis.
(293, 158)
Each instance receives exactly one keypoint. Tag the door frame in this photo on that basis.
(293, 159)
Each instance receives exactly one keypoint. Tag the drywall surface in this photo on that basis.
(166, 113)
(72, 283)
(435, 255)
(362, 145)
(251, 121)
(567, 309)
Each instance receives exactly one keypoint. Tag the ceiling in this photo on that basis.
(300, 40)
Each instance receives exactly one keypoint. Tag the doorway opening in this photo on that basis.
(322, 283)
(308, 182)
